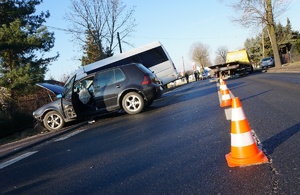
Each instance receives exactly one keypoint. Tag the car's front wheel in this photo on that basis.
(53, 121)
(133, 103)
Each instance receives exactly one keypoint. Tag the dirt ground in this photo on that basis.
(290, 67)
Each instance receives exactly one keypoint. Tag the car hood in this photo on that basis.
(56, 89)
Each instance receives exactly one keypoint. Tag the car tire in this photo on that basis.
(53, 121)
(133, 103)
(148, 103)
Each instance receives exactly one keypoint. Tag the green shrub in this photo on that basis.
(297, 46)
(19, 122)
(4, 126)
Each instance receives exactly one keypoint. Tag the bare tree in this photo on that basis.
(254, 13)
(200, 55)
(119, 20)
(221, 55)
(102, 20)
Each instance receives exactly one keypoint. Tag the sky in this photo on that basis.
(176, 24)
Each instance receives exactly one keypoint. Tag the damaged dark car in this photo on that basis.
(130, 87)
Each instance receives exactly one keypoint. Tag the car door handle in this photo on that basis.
(118, 86)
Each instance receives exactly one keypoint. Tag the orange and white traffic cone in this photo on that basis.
(225, 99)
(244, 150)
(223, 86)
(220, 81)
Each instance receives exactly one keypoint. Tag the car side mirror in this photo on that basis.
(59, 96)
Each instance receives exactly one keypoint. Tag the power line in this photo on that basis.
(187, 38)
(57, 28)
(165, 38)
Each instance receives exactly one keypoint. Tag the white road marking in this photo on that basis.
(69, 135)
(14, 160)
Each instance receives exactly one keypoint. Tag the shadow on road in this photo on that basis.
(257, 94)
(273, 142)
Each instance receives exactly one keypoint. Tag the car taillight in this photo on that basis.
(146, 80)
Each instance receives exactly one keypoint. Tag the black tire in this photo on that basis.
(148, 103)
(53, 121)
(133, 103)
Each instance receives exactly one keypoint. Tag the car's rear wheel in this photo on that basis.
(148, 103)
(133, 103)
(53, 121)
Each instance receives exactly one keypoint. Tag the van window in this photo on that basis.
(153, 57)
(148, 58)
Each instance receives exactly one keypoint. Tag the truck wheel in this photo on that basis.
(53, 121)
(133, 103)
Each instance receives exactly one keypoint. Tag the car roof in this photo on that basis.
(81, 72)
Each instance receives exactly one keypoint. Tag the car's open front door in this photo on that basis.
(68, 100)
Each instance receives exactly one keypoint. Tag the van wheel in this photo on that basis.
(133, 103)
(53, 121)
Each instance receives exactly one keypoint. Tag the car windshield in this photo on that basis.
(266, 59)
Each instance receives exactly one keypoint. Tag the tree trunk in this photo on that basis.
(271, 31)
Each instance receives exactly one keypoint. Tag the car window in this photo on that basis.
(104, 78)
(119, 75)
(68, 87)
(266, 59)
(87, 83)
(109, 77)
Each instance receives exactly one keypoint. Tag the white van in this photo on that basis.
(153, 56)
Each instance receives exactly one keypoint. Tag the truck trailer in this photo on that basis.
(237, 64)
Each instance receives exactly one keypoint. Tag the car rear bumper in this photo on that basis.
(266, 64)
(153, 92)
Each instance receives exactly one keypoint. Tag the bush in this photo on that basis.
(19, 122)
(297, 46)
(4, 126)
(16, 115)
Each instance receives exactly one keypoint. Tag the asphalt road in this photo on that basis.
(177, 146)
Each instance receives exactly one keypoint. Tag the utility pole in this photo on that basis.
(118, 35)
(183, 65)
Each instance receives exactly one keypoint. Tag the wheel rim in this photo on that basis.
(54, 121)
(133, 103)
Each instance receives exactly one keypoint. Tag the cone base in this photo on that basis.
(259, 158)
